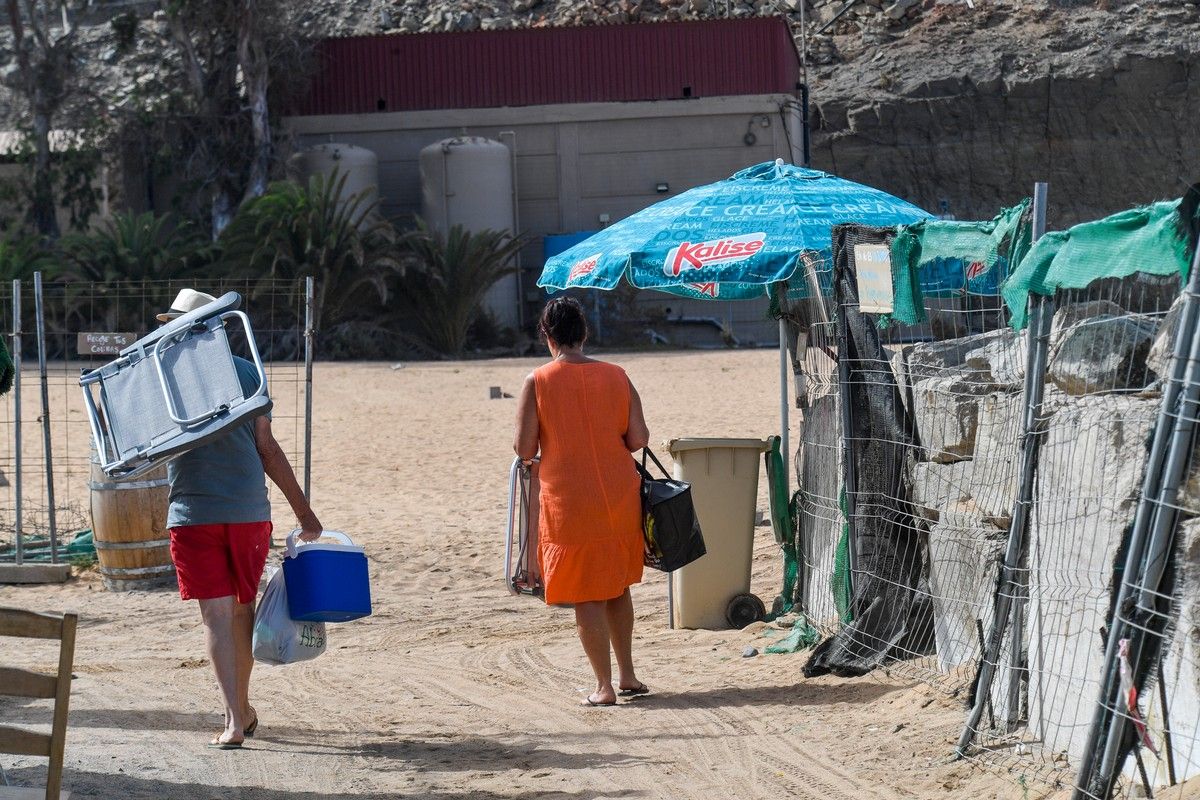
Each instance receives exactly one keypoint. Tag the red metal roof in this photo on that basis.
(542, 66)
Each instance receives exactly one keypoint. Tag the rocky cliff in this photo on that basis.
(954, 104)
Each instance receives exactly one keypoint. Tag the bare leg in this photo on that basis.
(592, 622)
(619, 612)
(219, 624)
(243, 632)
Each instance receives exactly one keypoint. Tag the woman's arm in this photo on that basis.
(637, 435)
(525, 443)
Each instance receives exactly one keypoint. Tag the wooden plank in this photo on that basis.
(23, 743)
(19, 793)
(62, 700)
(23, 683)
(30, 624)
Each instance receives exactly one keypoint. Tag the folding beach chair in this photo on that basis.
(171, 391)
(522, 574)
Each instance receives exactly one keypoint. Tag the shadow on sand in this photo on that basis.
(129, 787)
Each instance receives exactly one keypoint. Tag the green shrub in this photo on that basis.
(448, 276)
(294, 232)
(22, 254)
(137, 248)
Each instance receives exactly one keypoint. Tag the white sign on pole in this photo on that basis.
(873, 268)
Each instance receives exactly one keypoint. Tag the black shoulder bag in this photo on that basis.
(669, 523)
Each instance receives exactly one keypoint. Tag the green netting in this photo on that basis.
(1145, 239)
(801, 637)
(6, 368)
(945, 257)
(783, 521)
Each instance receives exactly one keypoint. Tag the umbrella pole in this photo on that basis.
(783, 399)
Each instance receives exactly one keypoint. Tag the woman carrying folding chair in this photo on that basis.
(585, 418)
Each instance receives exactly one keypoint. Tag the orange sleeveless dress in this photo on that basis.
(590, 528)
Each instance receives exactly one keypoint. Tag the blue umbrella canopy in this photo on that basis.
(727, 240)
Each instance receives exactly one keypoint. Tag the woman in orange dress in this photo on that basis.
(585, 417)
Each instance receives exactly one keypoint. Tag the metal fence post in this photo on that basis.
(784, 439)
(1159, 514)
(309, 346)
(40, 319)
(849, 478)
(1184, 351)
(1040, 317)
(16, 358)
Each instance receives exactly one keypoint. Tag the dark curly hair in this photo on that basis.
(563, 321)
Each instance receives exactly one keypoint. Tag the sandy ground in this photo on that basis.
(454, 689)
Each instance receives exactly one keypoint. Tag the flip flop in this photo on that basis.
(587, 701)
(641, 688)
(217, 744)
(249, 730)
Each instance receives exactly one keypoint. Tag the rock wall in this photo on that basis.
(958, 108)
(818, 465)
(1090, 469)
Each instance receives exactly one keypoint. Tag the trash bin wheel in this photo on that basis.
(744, 609)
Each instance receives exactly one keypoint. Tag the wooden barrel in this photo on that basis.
(129, 528)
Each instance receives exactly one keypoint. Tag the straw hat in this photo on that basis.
(187, 300)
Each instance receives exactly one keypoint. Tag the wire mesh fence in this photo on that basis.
(1012, 515)
(1099, 406)
(923, 477)
(83, 324)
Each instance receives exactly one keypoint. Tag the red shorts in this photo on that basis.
(220, 560)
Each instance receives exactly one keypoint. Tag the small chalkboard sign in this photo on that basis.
(873, 268)
(103, 344)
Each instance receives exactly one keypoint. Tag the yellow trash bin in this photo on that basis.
(724, 478)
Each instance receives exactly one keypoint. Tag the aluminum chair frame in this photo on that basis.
(181, 340)
(522, 575)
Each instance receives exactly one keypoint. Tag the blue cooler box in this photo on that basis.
(326, 582)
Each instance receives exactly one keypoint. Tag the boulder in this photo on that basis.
(819, 468)
(1001, 358)
(996, 461)
(1090, 468)
(1069, 315)
(984, 487)
(1103, 354)
(1159, 357)
(964, 560)
(946, 411)
(937, 489)
(932, 359)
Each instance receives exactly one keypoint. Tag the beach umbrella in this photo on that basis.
(729, 240)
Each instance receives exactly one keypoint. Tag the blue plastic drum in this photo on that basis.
(326, 582)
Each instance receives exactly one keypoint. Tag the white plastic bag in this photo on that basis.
(278, 639)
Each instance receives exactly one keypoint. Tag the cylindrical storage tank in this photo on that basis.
(129, 529)
(358, 164)
(468, 181)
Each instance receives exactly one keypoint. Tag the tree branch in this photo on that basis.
(193, 70)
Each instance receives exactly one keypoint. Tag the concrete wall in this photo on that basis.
(581, 166)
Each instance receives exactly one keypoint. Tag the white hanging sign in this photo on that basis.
(873, 269)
